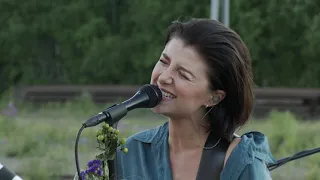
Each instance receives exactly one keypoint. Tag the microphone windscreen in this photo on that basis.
(154, 94)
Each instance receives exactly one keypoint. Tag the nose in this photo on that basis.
(165, 77)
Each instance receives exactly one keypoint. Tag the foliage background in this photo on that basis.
(118, 41)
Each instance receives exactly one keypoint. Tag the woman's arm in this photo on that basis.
(249, 156)
(256, 171)
(232, 145)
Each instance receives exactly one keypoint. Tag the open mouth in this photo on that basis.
(167, 94)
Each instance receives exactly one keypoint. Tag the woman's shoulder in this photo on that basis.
(149, 135)
(248, 155)
(141, 144)
(256, 144)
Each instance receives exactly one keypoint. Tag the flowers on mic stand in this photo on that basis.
(94, 169)
(108, 142)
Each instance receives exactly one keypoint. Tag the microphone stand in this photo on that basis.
(92, 122)
(296, 156)
(112, 163)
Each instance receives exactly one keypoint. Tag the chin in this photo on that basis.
(161, 110)
(156, 110)
(169, 113)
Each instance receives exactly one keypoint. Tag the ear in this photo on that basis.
(216, 97)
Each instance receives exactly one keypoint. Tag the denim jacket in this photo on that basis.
(148, 157)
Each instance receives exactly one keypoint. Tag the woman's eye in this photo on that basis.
(183, 76)
(162, 61)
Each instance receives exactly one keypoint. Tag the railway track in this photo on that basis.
(303, 102)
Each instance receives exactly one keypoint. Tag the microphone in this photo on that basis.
(148, 96)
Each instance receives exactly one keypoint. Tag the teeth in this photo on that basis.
(167, 95)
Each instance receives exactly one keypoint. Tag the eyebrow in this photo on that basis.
(179, 67)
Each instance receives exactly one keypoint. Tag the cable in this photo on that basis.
(76, 151)
(294, 157)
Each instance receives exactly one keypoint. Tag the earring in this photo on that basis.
(216, 99)
(207, 106)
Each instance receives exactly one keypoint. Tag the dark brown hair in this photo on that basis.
(229, 64)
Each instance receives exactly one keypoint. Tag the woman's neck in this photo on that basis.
(186, 134)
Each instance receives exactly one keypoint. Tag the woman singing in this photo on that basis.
(204, 73)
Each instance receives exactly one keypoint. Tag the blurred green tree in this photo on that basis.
(118, 41)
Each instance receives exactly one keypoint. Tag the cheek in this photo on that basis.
(193, 94)
(155, 73)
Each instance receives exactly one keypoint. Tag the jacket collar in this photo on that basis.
(153, 136)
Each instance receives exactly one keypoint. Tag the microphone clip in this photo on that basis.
(110, 115)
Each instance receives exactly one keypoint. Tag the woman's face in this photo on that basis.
(181, 74)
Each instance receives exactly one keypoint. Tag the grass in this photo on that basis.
(39, 142)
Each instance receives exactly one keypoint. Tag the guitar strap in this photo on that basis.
(212, 159)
